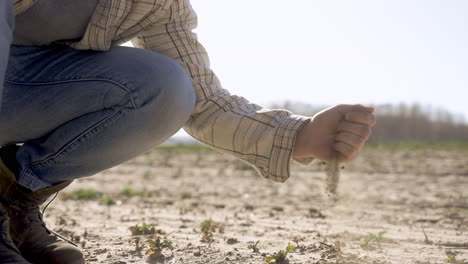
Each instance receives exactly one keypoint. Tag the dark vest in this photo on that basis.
(48, 21)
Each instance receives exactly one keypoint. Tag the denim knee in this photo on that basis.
(171, 90)
(155, 83)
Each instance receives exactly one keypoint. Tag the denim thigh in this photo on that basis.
(80, 112)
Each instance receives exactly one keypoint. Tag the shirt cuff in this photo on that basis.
(283, 143)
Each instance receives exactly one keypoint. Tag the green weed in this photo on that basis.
(145, 229)
(371, 239)
(107, 201)
(452, 257)
(281, 256)
(208, 227)
(129, 192)
(254, 247)
(157, 245)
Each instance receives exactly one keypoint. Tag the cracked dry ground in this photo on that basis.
(419, 197)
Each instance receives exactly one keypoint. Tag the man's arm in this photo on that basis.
(7, 21)
(262, 137)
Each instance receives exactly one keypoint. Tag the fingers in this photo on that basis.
(361, 108)
(353, 130)
(364, 118)
(344, 108)
(348, 145)
(358, 113)
(357, 129)
(346, 152)
(350, 139)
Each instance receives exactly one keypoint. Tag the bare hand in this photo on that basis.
(343, 129)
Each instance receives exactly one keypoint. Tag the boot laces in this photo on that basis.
(35, 215)
(51, 231)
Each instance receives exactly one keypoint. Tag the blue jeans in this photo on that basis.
(80, 112)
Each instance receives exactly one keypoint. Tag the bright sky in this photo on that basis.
(339, 51)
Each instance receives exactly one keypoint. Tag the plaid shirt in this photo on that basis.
(262, 137)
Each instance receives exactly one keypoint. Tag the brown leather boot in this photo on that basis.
(9, 254)
(34, 240)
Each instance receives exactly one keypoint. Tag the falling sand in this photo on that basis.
(333, 178)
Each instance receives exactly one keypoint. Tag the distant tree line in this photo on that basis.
(404, 122)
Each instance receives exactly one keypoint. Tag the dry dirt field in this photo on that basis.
(418, 197)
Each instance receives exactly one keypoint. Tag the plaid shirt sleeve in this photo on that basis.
(262, 137)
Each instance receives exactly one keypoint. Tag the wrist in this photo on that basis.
(302, 145)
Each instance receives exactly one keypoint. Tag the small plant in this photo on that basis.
(208, 227)
(107, 201)
(157, 245)
(281, 256)
(84, 194)
(370, 239)
(254, 247)
(452, 257)
(145, 230)
(129, 192)
(138, 246)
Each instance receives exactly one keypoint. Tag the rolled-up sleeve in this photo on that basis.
(264, 138)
